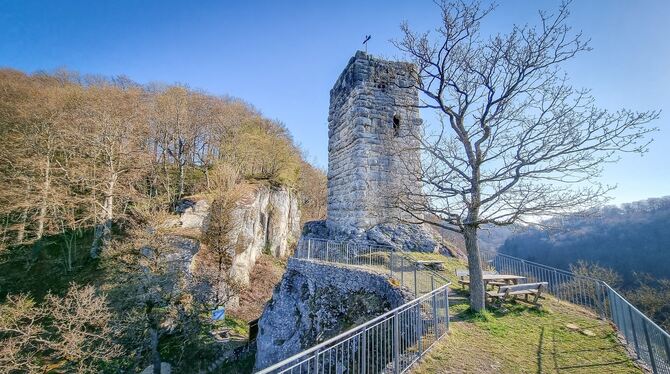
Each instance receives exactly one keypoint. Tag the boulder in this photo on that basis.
(408, 237)
(193, 213)
(315, 302)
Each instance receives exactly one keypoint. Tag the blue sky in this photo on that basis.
(284, 56)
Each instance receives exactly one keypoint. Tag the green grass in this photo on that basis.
(523, 338)
(237, 326)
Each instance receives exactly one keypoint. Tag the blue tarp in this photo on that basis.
(218, 314)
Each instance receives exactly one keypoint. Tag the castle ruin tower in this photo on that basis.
(373, 107)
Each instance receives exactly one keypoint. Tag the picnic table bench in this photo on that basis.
(434, 265)
(515, 290)
(490, 278)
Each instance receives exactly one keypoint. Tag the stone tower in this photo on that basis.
(372, 109)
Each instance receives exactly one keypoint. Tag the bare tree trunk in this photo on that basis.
(103, 230)
(21, 234)
(477, 290)
(45, 195)
(155, 354)
(182, 165)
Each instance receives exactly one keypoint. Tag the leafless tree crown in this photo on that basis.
(514, 139)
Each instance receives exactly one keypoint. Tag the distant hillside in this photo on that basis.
(491, 237)
(630, 238)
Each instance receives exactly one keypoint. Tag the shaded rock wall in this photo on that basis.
(315, 302)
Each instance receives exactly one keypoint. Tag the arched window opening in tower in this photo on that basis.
(396, 125)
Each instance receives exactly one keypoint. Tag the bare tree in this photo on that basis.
(515, 141)
(71, 333)
(112, 146)
(215, 284)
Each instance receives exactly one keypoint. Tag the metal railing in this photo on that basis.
(647, 340)
(410, 274)
(347, 253)
(390, 343)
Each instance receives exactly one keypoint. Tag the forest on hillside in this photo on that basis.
(89, 166)
(626, 244)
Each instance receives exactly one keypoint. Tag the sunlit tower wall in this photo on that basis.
(373, 107)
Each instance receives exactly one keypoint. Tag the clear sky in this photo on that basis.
(284, 56)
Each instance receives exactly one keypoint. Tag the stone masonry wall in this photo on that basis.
(372, 109)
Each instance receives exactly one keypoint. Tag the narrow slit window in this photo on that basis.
(396, 125)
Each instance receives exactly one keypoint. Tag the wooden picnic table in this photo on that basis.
(497, 279)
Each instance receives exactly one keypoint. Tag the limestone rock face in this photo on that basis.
(407, 237)
(315, 302)
(193, 213)
(267, 221)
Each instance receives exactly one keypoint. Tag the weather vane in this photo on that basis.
(365, 42)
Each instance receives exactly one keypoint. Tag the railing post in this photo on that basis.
(396, 345)
(347, 246)
(419, 328)
(370, 255)
(667, 348)
(316, 361)
(309, 248)
(327, 248)
(557, 286)
(391, 263)
(446, 306)
(600, 301)
(649, 347)
(432, 282)
(632, 324)
(364, 351)
(435, 317)
(416, 288)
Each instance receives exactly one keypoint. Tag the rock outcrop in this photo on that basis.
(401, 236)
(315, 302)
(193, 213)
(267, 220)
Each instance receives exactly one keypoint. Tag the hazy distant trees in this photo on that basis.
(515, 140)
(631, 238)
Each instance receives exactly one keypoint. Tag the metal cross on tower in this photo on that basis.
(365, 42)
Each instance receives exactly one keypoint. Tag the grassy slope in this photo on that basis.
(524, 339)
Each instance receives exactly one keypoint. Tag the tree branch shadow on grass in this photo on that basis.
(539, 351)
